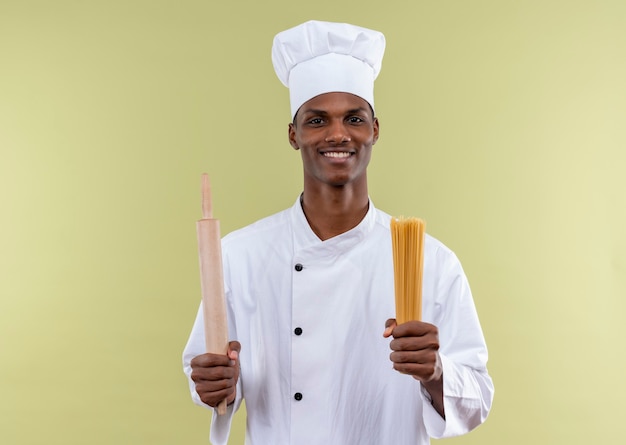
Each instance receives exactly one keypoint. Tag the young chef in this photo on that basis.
(315, 351)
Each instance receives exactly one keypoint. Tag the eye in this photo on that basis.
(355, 120)
(315, 121)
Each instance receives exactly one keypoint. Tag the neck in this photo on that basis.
(332, 211)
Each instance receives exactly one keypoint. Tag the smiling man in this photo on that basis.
(335, 133)
(315, 351)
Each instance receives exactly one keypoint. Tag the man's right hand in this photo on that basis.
(216, 375)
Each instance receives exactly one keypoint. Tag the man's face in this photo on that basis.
(335, 133)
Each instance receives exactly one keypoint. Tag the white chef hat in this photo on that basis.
(322, 57)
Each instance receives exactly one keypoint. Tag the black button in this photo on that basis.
(297, 396)
(297, 331)
(299, 267)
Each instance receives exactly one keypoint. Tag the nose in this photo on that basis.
(337, 134)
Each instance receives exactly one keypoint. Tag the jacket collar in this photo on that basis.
(305, 238)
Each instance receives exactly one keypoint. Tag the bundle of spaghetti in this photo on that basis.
(407, 240)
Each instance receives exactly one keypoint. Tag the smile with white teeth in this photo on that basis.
(336, 154)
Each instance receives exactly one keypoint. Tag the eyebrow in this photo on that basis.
(324, 112)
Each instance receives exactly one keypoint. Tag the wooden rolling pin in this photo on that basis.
(212, 280)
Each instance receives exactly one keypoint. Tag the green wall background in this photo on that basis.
(502, 124)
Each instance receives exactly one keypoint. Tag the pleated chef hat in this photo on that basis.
(323, 57)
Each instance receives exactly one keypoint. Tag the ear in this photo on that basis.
(376, 127)
(292, 136)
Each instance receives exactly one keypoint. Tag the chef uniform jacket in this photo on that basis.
(310, 314)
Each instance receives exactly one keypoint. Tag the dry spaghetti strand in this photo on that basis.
(407, 240)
